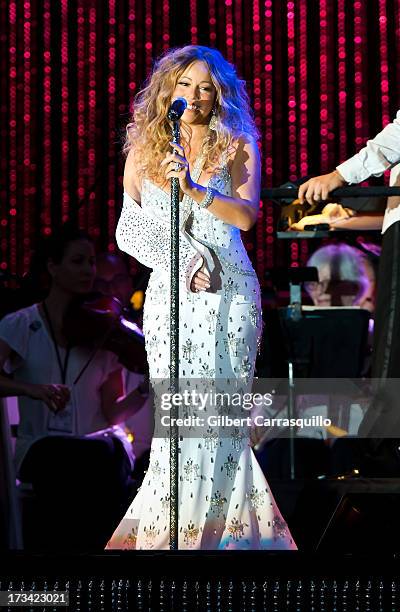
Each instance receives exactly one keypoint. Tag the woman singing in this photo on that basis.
(224, 500)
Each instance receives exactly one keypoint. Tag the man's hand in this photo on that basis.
(319, 187)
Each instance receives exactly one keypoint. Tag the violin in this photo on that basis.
(101, 322)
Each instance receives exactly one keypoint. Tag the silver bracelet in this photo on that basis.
(208, 198)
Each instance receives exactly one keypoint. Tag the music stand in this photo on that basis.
(320, 343)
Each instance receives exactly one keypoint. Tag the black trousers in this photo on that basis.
(379, 451)
(386, 349)
(82, 487)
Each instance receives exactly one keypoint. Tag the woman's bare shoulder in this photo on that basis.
(246, 142)
(241, 144)
(243, 149)
(132, 182)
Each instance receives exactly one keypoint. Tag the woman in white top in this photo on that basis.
(63, 420)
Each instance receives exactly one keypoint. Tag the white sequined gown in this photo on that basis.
(224, 499)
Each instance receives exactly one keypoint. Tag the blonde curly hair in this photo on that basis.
(149, 131)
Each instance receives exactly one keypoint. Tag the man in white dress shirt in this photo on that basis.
(382, 419)
(379, 154)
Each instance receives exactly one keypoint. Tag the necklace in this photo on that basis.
(62, 366)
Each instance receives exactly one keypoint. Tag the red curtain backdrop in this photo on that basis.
(321, 75)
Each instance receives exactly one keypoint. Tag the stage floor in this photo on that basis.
(185, 580)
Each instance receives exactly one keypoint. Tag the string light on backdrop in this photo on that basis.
(148, 45)
(384, 61)
(239, 34)
(212, 22)
(325, 80)
(112, 104)
(361, 99)
(229, 30)
(48, 145)
(93, 104)
(193, 22)
(303, 108)
(257, 105)
(5, 129)
(27, 161)
(165, 22)
(320, 80)
(65, 191)
(265, 239)
(342, 87)
(292, 114)
(82, 110)
(14, 166)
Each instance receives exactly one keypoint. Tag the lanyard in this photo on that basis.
(63, 366)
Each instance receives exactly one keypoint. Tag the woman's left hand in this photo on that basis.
(200, 281)
(183, 174)
(257, 435)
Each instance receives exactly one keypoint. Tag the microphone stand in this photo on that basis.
(174, 348)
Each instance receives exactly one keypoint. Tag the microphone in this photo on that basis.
(177, 109)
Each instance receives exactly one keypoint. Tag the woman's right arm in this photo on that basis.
(54, 396)
(146, 237)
